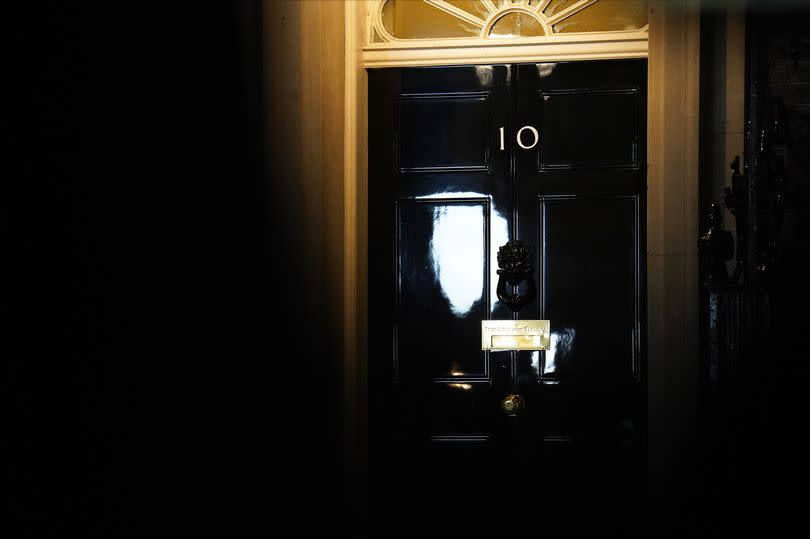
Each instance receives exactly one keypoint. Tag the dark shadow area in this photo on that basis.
(152, 301)
(754, 403)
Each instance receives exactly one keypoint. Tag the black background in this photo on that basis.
(144, 262)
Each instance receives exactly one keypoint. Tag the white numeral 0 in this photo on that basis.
(534, 132)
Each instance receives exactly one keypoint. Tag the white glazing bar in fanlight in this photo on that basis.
(541, 6)
(456, 12)
(567, 12)
(490, 6)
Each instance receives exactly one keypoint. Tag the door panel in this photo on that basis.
(449, 183)
(442, 289)
(588, 253)
(610, 139)
(430, 123)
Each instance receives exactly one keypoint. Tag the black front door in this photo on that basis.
(462, 161)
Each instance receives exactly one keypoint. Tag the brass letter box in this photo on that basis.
(514, 334)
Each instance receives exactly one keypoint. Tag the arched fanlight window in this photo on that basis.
(397, 20)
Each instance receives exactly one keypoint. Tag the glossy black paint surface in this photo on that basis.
(441, 288)
(589, 250)
(431, 122)
(609, 140)
(443, 197)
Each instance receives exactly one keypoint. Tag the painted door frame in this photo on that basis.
(672, 220)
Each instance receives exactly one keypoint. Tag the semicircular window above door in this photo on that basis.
(397, 20)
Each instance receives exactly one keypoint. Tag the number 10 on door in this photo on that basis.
(519, 137)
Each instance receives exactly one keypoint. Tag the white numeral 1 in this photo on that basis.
(501, 130)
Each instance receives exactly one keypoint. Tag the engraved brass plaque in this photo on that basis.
(514, 334)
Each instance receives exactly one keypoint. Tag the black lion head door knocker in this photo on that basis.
(515, 263)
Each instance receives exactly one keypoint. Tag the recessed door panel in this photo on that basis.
(610, 139)
(442, 288)
(589, 251)
(430, 123)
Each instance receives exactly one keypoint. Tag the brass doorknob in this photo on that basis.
(513, 405)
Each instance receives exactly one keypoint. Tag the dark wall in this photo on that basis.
(773, 397)
(150, 385)
(754, 401)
